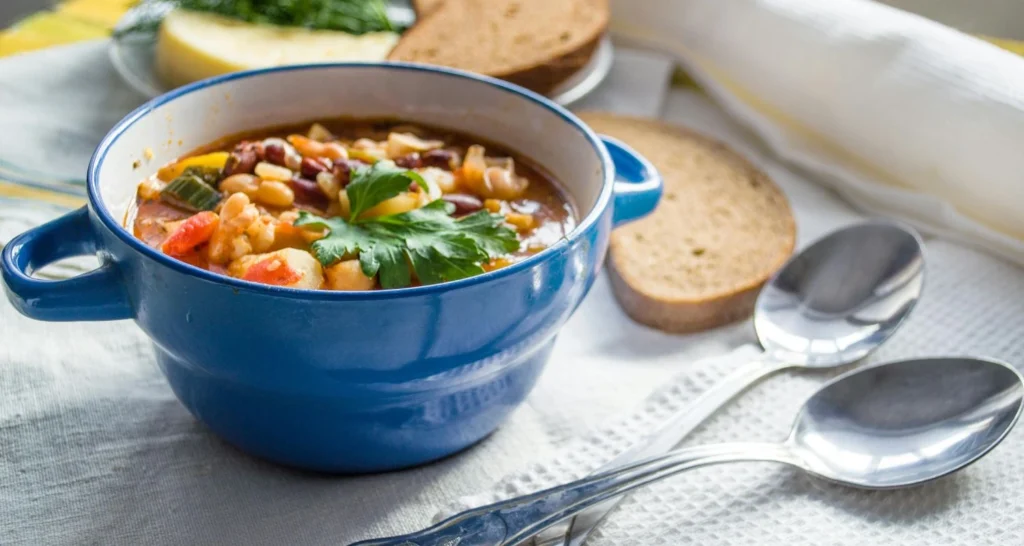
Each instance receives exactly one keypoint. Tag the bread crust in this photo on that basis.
(423, 7)
(678, 316)
(682, 313)
(542, 77)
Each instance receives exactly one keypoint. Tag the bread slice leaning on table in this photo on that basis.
(534, 43)
(721, 230)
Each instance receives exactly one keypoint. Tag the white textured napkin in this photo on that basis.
(899, 114)
(973, 304)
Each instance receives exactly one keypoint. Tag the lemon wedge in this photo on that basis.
(192, 46)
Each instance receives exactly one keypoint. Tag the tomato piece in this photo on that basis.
(193, 232)
(273, 270)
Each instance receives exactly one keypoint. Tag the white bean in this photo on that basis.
(275, 194)
(269, 171)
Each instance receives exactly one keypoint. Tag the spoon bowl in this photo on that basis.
(830, 305)
(892, 425)
(841, 297)
(906, 423)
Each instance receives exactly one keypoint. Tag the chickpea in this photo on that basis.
(261, 233)
(240, 183)
(275, 194)
(229, 242)
(347, 275)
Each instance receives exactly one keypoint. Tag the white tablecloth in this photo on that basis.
(94, 449)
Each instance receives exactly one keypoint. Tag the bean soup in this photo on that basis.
(351, 205)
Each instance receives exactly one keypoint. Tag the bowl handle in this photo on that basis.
(638, 184)
(96, 295)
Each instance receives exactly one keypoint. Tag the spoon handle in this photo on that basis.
(666, 437)
(515, 521)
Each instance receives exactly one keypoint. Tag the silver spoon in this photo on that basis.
(829, 306)
(881, 427)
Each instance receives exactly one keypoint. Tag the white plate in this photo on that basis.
(134, 59)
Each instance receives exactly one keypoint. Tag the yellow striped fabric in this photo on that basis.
(17, 191)
(71, 21)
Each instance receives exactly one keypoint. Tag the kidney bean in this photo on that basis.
(311, 167)
(464, 203)
(343, 170)
(243, 158)
(275, 153)
(410, 161)
(444, 159)
(307, 192)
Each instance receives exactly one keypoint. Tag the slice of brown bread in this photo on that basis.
(424, 7)
(721, 230)
(533, 43)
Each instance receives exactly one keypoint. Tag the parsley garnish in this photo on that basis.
(370, 186)
(436, 246)
(426, 241)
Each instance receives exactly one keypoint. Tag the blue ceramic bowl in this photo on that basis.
(338, 381)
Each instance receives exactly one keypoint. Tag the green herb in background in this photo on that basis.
(351, 16)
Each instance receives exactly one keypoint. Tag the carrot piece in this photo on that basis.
(272, 270)
(193, 232)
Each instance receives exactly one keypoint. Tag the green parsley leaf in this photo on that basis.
(371, 186)
(427, 241)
